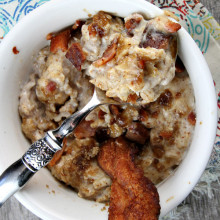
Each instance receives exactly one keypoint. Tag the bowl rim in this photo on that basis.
(209, 123)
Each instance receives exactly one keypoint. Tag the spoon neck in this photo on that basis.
(70, 123)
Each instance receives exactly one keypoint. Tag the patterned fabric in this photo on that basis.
(202, 27)
(11, 11)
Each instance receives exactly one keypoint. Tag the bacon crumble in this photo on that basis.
(108, 55)
(76, 55)
(15, 50)
(59, 41)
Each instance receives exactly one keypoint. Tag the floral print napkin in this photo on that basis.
(203, 28)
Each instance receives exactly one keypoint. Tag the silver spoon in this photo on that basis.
(42, 151)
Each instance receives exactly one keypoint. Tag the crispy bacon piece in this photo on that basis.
(57, 156)
(60, 41)
(141, 64)
(172, 27)
(133, 196)
(109, 53)
(76, 55)
(84, 130)
(131, 24)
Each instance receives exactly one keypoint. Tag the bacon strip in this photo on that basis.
(76, 55)
(172, 27)
(133, 196)
(109, 54)
(60, 41)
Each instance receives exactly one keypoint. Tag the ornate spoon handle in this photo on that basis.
(40, 153)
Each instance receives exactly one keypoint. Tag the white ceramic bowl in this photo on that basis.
(29, 36)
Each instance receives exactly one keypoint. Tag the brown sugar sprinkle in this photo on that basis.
(157, 165)
(166, 134)
(94, 29)
(138, 80)
(98, 24)
(178, 95)
(158, 150)
(192, 118)
(15, 50)
(165, 98)
(141, 64)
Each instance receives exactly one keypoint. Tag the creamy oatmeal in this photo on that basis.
(131, 59)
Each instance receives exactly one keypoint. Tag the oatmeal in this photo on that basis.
(131, 59)
(138, 62)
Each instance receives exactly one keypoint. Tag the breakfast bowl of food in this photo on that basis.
(142, 154)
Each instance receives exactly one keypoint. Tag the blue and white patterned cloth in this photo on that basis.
(202, 27)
